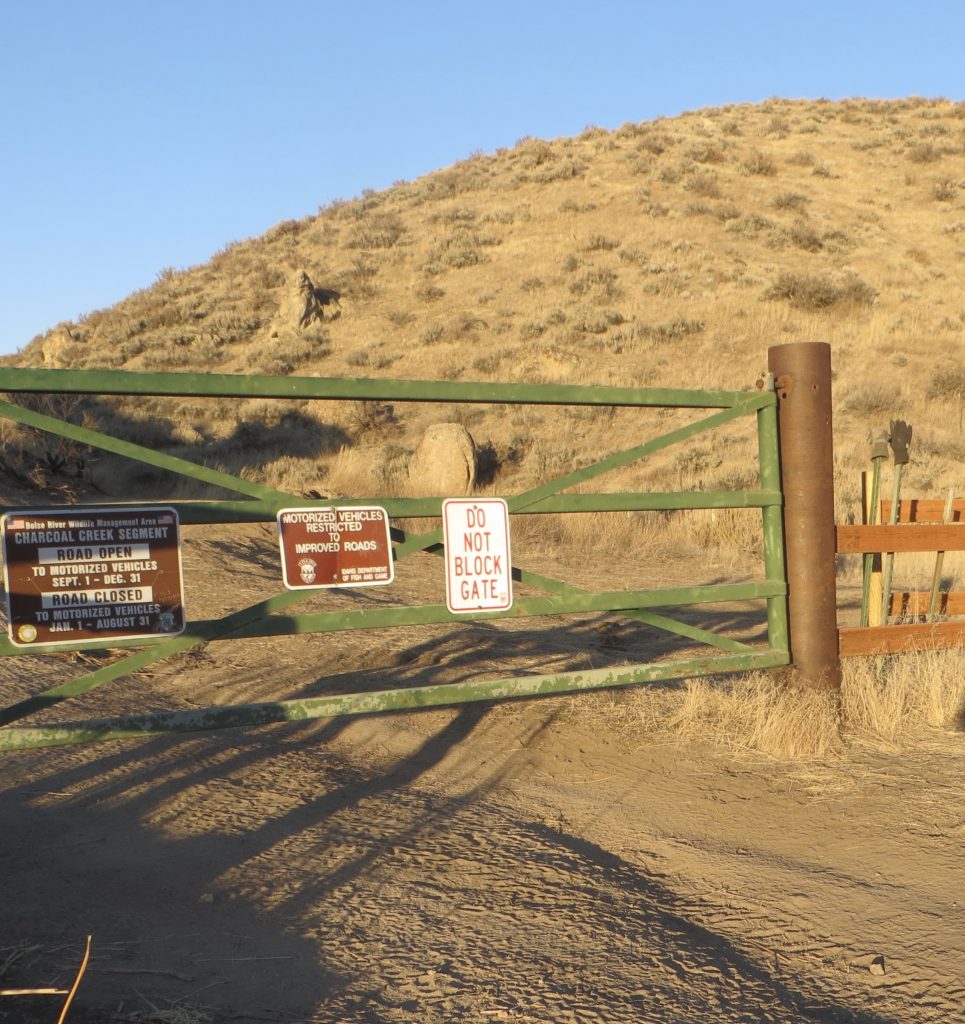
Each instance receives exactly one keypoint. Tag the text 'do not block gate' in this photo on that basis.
(478, 568)
(335, 547)
(78, 574)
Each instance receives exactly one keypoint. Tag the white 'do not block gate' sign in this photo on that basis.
(478, 567)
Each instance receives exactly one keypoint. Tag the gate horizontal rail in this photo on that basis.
(429, 614)
(214, 385)
(372, 702)
(199, 513)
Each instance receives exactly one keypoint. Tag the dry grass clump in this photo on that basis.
(380, 468)
(884, 701)
(585, 537)
(758, 712)
(892, 699)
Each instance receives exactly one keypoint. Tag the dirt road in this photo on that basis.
(526, 862)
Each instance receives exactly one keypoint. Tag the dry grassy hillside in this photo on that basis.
(545, 860)
(669, 253)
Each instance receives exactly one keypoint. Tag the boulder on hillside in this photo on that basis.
(304, 303)
(444, 463)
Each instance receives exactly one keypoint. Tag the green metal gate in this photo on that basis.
(273, 617)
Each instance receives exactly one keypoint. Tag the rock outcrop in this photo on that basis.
(444, 463)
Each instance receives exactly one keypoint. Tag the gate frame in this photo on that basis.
(264, 618)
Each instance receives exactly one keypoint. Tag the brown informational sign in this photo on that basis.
(75, 574)
(335, 547)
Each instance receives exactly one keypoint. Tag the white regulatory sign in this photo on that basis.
(478, 568)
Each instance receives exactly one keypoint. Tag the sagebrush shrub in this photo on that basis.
(600, 243)
(924, 153)
(601, 279)
(873, 398)
(378, 231)
(811, 292)
(432, 334)
(946, 383)
(680, 327)
(704, 184)
(429, 292)
(805, 237)
(759, 163)
(790, 201)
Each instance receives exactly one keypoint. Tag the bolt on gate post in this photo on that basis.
(802, 376)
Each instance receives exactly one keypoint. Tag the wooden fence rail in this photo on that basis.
(913, 636)
(856, 540)
(923, 510)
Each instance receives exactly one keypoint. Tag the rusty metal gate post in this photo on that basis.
(802, 375)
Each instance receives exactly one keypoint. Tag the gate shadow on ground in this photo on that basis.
(481, 650)
(112, 847)
(265, 876)
(749, 988)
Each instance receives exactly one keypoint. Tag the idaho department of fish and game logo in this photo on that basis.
(306, 569)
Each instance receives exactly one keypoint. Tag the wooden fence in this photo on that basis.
(923, 525)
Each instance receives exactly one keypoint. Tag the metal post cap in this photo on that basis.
(879, 445)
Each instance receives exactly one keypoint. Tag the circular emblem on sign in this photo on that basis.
(306, 569)
(165, 622)
(27, 633)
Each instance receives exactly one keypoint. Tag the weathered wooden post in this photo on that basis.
(802, 376)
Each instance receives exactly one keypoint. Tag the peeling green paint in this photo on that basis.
(375, 702)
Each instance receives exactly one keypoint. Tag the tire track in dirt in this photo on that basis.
(816, 887)
(442, 907)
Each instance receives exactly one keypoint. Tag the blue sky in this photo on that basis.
(136, 136)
